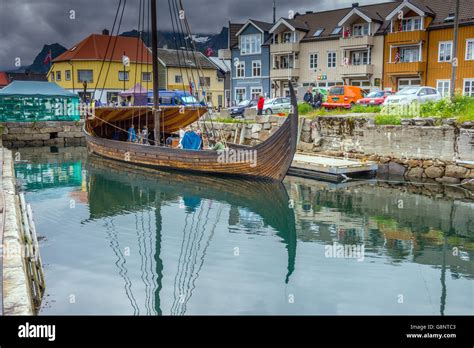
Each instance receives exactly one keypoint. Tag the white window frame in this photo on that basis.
(259, 67)
(410, 48)
(332, 61)
(311, 61)
(442, 88)
(126, 75)
(254, 42)
(244, 94)
(252, 91)
(442, 59)
(468, 42)
(364, 29)
(471, 87)
(146, 73)
(67, 75)
(412, 21)
(363, 60)
(292, 37)
(58, 75)
(240, 67)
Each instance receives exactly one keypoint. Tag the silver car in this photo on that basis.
(413, 94)
(276, 105)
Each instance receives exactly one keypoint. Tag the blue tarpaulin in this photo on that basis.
(35, 89)
(191, 141)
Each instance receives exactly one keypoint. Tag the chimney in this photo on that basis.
(105, 32)
(355, 4)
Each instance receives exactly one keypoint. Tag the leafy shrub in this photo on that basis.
(387, 120)
(366, 109)
(304, 109)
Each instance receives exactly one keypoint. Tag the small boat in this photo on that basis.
(269, 160)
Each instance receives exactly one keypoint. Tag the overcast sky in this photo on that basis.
(26, 25)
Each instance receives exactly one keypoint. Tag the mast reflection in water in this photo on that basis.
(121, 240)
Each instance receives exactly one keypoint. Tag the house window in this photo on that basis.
(469, 87)
(286, 62)
(178, 79)
(251, 44)
(255, 92)
(84, 75)
(411, 24)
(240, 94)
(256, 68)
(240, 70)
(68, 75)
(287, 37)
(52, 75)
(123, 75)
(443, 87)
(361, 29)
(204, 81)
(360, 58)
(331, 59)
(313, 61)
(445, 52)
(58, 76)
(409, 54)
(146, 76)
(336, 30)
(318, 32)
(470, 49)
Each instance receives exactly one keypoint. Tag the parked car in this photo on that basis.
(174, 98)
(413, 94)
(276, 105)
(343, 97)
(374, 98)
(240, 108)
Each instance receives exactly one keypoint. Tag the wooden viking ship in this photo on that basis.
(268, 160)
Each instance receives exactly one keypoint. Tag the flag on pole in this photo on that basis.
(397, 56)
(48, 58)
(209, 52)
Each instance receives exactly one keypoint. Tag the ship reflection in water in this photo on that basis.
(118, 240)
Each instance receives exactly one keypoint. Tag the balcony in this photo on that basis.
(284, 73)
(357, 70)
(406, 37)
(285, 48)
(356, 41)
(402, 68)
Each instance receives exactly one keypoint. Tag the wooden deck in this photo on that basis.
(334, 169)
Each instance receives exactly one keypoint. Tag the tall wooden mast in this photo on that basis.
(154, 53)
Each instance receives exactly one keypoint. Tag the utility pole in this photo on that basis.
(455, 60)
(274, 11)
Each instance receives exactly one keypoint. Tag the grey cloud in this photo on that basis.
(26, 25)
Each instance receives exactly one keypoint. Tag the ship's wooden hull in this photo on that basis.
(268, 160)
(172, 118)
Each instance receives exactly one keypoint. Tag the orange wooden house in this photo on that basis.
(419, 46)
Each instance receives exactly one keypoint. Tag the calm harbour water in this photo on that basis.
(117, 240)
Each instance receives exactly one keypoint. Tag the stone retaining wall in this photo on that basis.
(416, 150)
(49, 133)
(16, 287)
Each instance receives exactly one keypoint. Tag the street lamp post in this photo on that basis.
(455, 60)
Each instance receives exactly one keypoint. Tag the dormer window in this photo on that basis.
(450, 17)
(361, 29)
(411, 24)
(287, 37)
(336, 31)
(318, 32)
(251, 44)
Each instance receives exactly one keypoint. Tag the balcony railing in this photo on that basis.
(356, 41)
(405, 68)
(285, 73)
(407, 36)
(284, 48)
(357, 70)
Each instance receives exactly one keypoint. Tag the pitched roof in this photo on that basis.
(94, 47)
(184, 59)
(442, 9)
(222, 64)
(234, 29)
(35, 88)
(265, 26)
(329, 20)
(4, 79)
